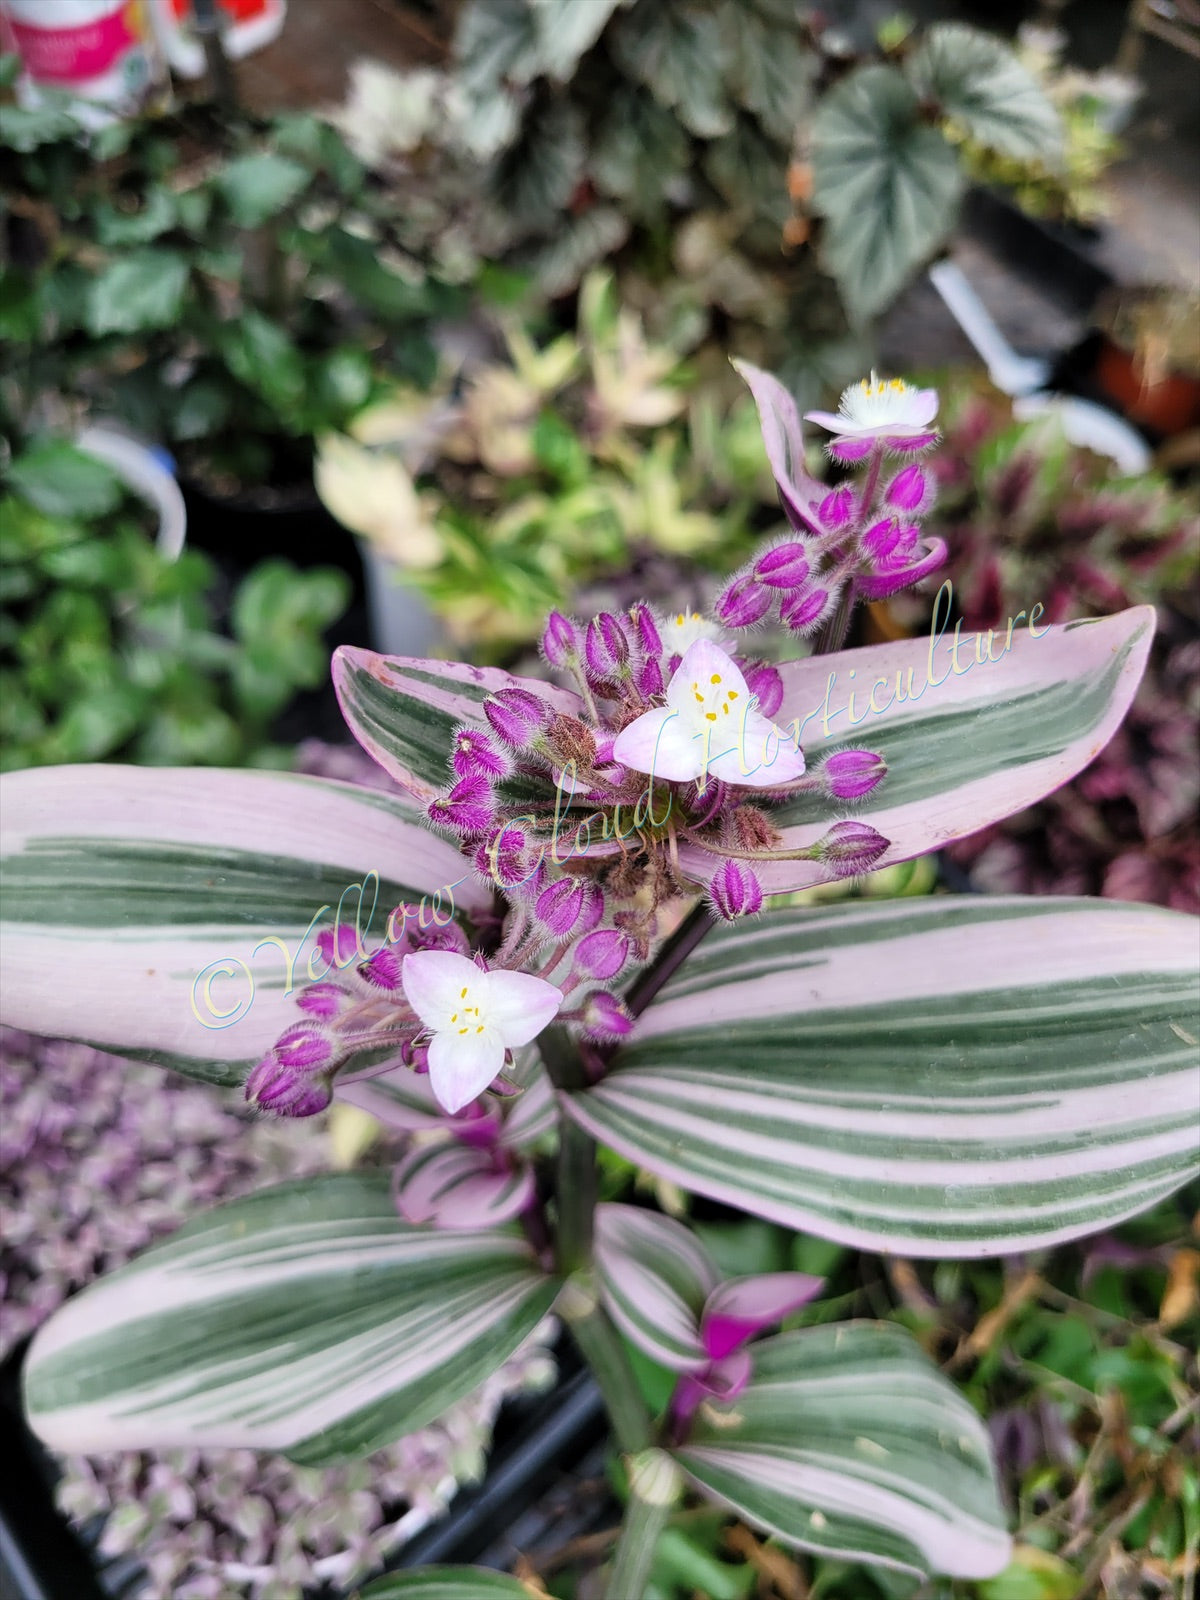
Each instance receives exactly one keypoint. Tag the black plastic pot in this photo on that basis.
(542, 1449)
(1059, 257)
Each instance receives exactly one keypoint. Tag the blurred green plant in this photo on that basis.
(228, 284)
(1090, 106)
(1084, 1358)
(679, 137)
(110, 652)
(566, 464)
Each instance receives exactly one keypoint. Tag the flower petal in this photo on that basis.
(702, 661)
(827, 420)
(518, 1005)
(461, 1065)
(761, 756)
(433, 982)
(660, 743)
(735, 1311)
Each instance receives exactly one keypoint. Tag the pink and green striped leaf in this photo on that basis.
(403, 711)
(306, 1319)
(655, 1277)
(456, 1186)
(849, 1442)
(944, 1077)
(165, 913)
(1018, 718)
(962, 750)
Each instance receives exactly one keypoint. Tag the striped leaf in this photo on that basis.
(161, 913)
(448, 1583)
(945, 1077)
(307, 1319)
(962, 750)
(457, 1186)
(850, 1443)
(656, 1277)
(403, 711)
(1022, 714)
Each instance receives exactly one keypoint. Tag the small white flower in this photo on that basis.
(682, 628)
(709, 725)
(474, 1016)
(877, 406)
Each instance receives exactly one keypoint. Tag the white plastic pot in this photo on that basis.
(401, 622)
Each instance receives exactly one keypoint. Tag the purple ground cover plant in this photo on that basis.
(576, 950)
(99, 1158)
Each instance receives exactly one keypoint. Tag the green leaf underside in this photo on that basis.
(306, 1319)
(928, 750)
(849, 1442)
(446, 1583)
(956, 1076)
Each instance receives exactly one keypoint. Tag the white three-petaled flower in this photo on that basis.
(474, 1017)
(878, 406)
(709, 726)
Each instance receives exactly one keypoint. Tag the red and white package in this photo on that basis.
(248, 25)
(100, 52)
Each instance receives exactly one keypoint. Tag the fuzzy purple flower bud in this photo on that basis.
(517, 717)
(570, 905)
(743, 602)
(847, 451)
(646, 628)
(322, 1000)
(340, 946)
(304, 1047)
(910, 491)
(910, 444)
(287, 1092)
(649, 678)
(602, 954)
(764, 682)
(382, 970)
(880, 539)
(475, 756)
(850, 774)
(850, 848)
(507, 856)
(805, 611)
(735, 891)
(605, 647)
(604, 1017)
(785, 566)
(469, 808)
(837, 508)
(560, 641)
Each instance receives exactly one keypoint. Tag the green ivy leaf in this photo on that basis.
(56, 478)
(887, 184)
(154, 216)
(979, 83)
(141, 290)
(260, 354)
(258, 187)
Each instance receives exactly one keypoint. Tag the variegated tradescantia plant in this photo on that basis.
(948, 1077)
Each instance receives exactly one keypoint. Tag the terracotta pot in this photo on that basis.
(1167, 408)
